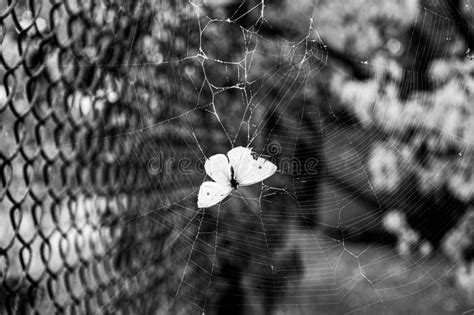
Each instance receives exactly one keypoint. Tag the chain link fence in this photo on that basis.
(80, 226)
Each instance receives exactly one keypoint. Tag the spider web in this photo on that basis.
(262, 96)
(292, 243)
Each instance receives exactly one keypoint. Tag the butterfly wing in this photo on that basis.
(241, 160)
(211, 193)
(260, 170)
(218, 168)
(247, 170)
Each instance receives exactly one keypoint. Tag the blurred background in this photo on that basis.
(109, 109)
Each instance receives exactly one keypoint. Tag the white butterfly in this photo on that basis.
(238, 168)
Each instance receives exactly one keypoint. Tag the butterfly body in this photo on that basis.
(233, 182)
(238, 168)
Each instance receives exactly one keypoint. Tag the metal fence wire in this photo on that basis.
(78, 233)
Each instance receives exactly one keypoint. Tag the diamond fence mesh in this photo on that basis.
(77, 196)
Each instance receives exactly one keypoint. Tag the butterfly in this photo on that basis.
(238, 168)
